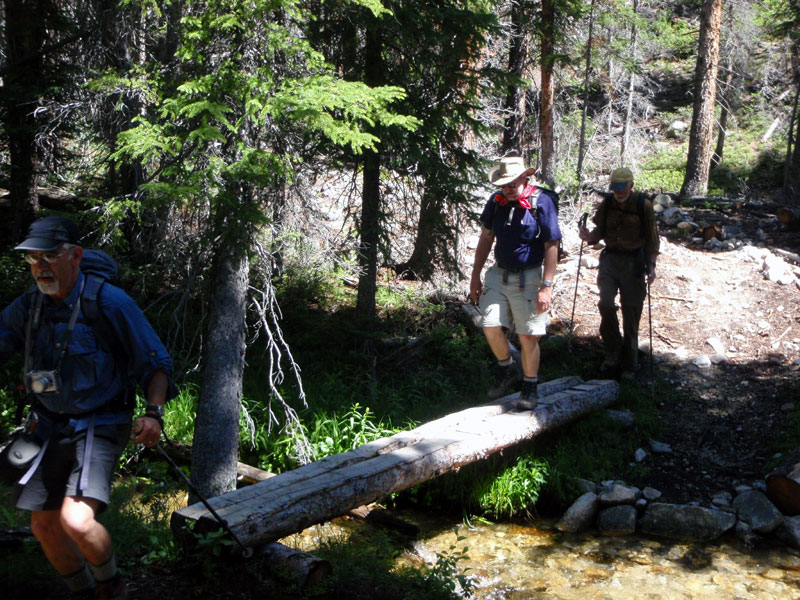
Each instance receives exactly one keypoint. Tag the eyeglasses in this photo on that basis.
(49, 257)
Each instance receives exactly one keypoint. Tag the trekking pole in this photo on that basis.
(581, 223)
(650, 321)
(246, 552)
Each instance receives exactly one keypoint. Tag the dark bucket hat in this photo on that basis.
(50, 233)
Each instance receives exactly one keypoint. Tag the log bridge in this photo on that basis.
(322, 490)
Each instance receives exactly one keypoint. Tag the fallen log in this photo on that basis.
(783, 485)
(331, 487)
(306, 568)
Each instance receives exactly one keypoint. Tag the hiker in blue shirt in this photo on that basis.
(81, 396)
(517, 290)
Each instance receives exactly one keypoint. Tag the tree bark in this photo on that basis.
(791, 181)
(216, 432)
(547, 150)
(705, 91)
(515, 105)
(370, 225)
(587, 72)
(26, 33)
(626, 130)
(330, 487)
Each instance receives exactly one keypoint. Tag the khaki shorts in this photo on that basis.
(506, 304)
(59, 473)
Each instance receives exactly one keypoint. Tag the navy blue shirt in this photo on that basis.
(519, 235)
(91, 377)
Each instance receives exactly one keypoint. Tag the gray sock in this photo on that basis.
(79, 580)
(107, 570)
(507, 362)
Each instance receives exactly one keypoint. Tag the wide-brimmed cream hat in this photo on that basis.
(508, 169)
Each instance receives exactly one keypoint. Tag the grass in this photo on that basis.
(362, 387)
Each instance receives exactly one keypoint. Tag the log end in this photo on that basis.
(784, 493)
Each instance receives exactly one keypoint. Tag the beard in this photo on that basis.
(48, 287)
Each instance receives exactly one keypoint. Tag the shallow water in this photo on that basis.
(516, 562)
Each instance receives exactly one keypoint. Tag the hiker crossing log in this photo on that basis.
(325, 489)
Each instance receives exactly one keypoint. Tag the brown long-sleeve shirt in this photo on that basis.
(620, 227)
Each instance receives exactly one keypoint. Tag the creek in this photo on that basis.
(535, 561)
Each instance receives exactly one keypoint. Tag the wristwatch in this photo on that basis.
(547, 283)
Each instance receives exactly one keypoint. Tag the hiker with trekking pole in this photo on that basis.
(626, 222)
(86, 347)
(520, 221)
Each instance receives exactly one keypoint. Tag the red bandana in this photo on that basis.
(523, 198)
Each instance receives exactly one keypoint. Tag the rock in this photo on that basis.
(763, 327)
(617, 520)
(660, 447)
(789, 532)
(745, 533)
(580, 515)
(717, 359)
(677, 129)
(755, 509)
(651, 494)
(618, 494)
(639, 455)
(716, 345)
(713, 244)
(589, 262)
(624, 417)
(663, 200)
(702, 362)
(672, 216)
(686, 226)
(690, 523)
(722, 499)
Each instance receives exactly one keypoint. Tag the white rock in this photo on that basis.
(640, 455)
(716, 344)
(702, 361)
(590, 262)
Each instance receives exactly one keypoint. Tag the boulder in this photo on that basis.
(617, 520)
(617, 494)
(755, 509)
(580, 515)
(789, 531)
(682, 522)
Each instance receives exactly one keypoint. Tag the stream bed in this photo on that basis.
(536, 561)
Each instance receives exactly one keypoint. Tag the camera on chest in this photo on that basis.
(40, 382)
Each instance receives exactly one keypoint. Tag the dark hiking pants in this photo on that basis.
(621, 271)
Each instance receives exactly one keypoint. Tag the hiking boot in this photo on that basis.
(509, 377)
(528, 395)
(113, 589)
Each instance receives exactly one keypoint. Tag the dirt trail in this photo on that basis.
(705, 305)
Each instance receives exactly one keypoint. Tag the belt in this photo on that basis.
(516, 269)
(621, 251)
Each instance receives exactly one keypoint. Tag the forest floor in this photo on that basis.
(725, 421)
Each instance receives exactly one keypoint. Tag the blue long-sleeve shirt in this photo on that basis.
(91, 375)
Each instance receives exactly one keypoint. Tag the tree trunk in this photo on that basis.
(216, 433)
(370, 225)
(515, 105)
(705, 91)
(725, 97)
(547, 150)
(26, 31)
(587, 72)
(330, 487)
(791, 180)
(420, 263)
(626, 130)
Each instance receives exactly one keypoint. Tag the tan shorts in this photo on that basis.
(506, 304)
